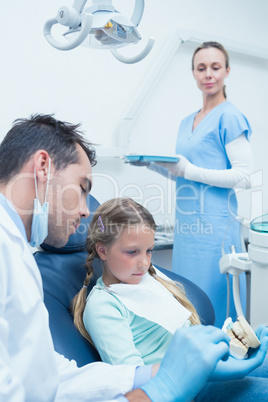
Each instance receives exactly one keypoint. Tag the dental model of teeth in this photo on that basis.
(242, 337)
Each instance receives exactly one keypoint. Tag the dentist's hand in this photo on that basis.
(233, 369)
(176, 169)
(188, 363)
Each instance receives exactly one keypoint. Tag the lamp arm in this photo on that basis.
(86, 24)
(138, 12)
(79, 5)
(137, 58)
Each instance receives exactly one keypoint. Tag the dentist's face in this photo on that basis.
(210, 70)
(129, 257)
(67, 200)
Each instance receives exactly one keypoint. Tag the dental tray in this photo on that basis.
(150, 158)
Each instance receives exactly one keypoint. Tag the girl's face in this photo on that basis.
(128, 259)
(210, 71)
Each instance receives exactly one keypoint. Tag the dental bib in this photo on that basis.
(151, 300)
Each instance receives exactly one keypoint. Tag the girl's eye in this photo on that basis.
(131, 252)
(150, 250)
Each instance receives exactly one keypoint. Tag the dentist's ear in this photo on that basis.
(101, 249)
(41, 164)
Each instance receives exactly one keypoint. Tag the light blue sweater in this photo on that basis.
(120, 336)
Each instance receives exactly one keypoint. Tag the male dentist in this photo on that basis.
(45, 176)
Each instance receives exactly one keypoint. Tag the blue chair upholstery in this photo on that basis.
(63, 274)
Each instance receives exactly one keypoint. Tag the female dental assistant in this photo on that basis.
(215, 157)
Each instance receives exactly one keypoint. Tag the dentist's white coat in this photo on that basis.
(30, 369)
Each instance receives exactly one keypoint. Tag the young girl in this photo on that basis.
(132, 312)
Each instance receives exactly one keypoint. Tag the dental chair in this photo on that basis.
(63, 274)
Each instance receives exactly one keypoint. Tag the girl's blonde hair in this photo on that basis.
(108, 222)
(216, 45)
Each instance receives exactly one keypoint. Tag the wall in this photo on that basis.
(92, 87)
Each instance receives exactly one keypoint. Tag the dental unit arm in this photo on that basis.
(235, 264)
(255, 263)
(103, 23)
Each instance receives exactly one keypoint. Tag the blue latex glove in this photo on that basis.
(233, 369)
(188, 363)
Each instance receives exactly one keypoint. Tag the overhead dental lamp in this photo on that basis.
(99, 26)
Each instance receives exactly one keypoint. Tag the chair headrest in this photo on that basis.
(77, 241)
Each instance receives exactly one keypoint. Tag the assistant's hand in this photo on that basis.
(176, 169)
(233, 369)
(188, 363)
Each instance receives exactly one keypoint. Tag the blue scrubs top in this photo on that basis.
(205, 215)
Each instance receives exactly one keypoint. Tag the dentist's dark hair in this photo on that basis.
(108, 223)
(216, 45)
(40, 131)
